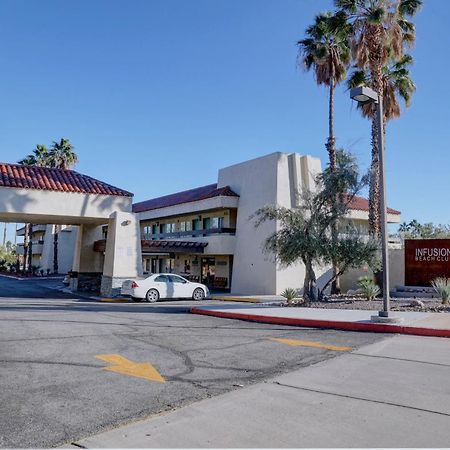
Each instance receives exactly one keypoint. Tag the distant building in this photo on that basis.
(42, 246)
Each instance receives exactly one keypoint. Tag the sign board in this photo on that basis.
(426, 259)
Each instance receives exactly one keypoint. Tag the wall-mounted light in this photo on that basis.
(126, 222)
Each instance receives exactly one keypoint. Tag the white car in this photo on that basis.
(163, 285)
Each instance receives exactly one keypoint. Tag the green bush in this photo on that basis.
(289, 294)
(442, 287)
(368, 287)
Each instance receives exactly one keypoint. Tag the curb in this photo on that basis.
(313, 323)
(235, 299)
(113, 300)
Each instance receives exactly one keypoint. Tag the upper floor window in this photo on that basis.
(168, 227)
(217, 222)
(186, 226)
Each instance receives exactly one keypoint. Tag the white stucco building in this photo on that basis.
(206, 233)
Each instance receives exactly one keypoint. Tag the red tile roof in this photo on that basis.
(48, 179)
(193, 195)
(362, 204)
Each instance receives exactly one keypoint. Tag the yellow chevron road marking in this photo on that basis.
(133, 369)
(300, 343)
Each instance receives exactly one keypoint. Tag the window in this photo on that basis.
(154, 229)
(168, 227)
(217, 222)
(196, 224)
(161, 279)
(207, 223)
(175, 279)
(185, 226)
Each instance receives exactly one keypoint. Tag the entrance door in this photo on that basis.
(208, 271)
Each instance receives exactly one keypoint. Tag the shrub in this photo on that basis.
(368, 287)
(289, 294)
(442, 287)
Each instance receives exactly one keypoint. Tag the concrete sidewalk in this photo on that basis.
(415, 323)
(393, 393)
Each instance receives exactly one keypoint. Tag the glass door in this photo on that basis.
(208, 271)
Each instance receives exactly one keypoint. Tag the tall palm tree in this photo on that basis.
(62, 155)
(379, 31)
(396, 84)
(326, 50)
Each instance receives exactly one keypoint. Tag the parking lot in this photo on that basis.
(55, 348)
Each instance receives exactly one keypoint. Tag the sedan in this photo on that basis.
(163, 285)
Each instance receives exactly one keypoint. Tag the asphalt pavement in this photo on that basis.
(59, 358)
(390, 394)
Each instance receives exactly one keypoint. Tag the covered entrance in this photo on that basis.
(40, 195)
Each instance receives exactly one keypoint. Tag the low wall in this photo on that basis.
(396, 272)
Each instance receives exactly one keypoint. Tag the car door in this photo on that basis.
(161, 284)
(180, 287)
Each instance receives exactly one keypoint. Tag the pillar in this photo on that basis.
(123, 255)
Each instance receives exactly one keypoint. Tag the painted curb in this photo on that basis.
(235, 299)
(114, 300)
(313, 323)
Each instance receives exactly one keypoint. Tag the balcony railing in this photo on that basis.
(191, 233)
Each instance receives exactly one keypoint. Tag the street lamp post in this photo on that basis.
(366, 95)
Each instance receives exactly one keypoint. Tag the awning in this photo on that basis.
(172, 246)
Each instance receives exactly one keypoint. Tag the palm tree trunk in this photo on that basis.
(331, 148)
(331, 143)
(25, 248)
(30, 248)
(374, 190)
(376, 66)
(55, 249)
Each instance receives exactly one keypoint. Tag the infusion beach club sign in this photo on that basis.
(426, 259)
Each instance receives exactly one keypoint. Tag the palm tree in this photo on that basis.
(396, 84)
(61, 155)
(326, 50)
(39, 157)
(379, 31)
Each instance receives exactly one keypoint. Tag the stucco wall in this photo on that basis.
(269, 180)
(255, 182)
(396, 272)
(39, 206)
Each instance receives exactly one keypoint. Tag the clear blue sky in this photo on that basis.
(158, 95)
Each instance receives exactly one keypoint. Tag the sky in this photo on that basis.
(157, 95)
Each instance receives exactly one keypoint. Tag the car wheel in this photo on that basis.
(152, 296)
(199, 294)
(135, 299)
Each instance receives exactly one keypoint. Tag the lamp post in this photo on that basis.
(366, 95)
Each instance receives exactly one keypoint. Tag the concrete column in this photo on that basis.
(123, 255)
(87, 264)
(73, 280)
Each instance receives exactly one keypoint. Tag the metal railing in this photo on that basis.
(190, 233)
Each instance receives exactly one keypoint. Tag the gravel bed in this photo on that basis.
(403, 304)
